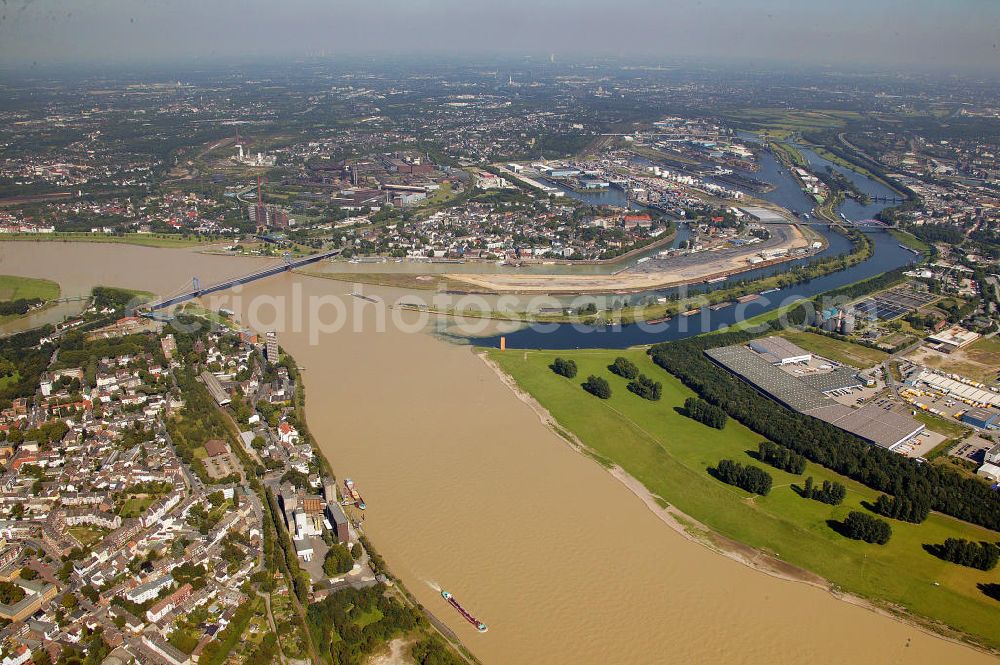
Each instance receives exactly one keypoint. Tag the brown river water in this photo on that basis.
(467, 489)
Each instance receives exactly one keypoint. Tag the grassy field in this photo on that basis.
(788, 154)
(442, 194)
(782, 123)
(670, 455)
(15, 288)
(214, 317)
(985, 352)
(143, 239)
(949, 428)
(840, 161)
(836, 349)
(910, 240)
(88, 536)
(136, 506)
(980, 361)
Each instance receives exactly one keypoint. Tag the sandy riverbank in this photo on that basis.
(662, 273)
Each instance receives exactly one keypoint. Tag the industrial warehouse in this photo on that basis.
(785, 372)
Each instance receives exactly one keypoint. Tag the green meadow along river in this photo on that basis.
(468, 489)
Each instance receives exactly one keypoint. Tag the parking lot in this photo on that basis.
(856, 396)
(922, 444)
(973, 449)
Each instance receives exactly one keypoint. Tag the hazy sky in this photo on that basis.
(917, 33)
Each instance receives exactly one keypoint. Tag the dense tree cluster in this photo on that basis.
(748, 477)
(334, 623)
(106, 297)
(19, 306)
(706, 413)
(991, 589)
(433, 651)
(862, 526)
(338, 560)
(780, 457)
(564, 367)
(23, 358)
(218, 649)
(903, 508)
(983, 556)
(946, 233)
(10, 593)
(645, 387)
(624, 368)
(831, 493)
(597, 386)
(964, 497)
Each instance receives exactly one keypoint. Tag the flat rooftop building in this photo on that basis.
(953, 338)
(982, 418)
(338, 521)
(779, 351)
(875, 424)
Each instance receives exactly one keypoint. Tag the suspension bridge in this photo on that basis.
(197, 290)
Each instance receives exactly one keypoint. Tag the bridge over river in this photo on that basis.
(197, 290)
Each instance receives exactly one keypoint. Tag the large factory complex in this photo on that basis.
(811, 385)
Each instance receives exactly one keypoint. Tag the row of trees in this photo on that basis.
(597, 386)
(964, 497)
(748, 477)
(983, 555)
(703, 412)
(831, 493)
(564, 367)
(780, 457)
(903, 508)
(862, 526)
(646, 388)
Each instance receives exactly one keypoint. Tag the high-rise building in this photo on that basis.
(259, 215)
(272, 347)
(279, 218)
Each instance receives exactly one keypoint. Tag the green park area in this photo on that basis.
(26, 288)
(841, 351)
(86, 535)
(671, 455)
(20, 295)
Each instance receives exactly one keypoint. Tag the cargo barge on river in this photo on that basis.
(480, 626)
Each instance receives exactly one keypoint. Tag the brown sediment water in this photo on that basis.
(468, 489)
